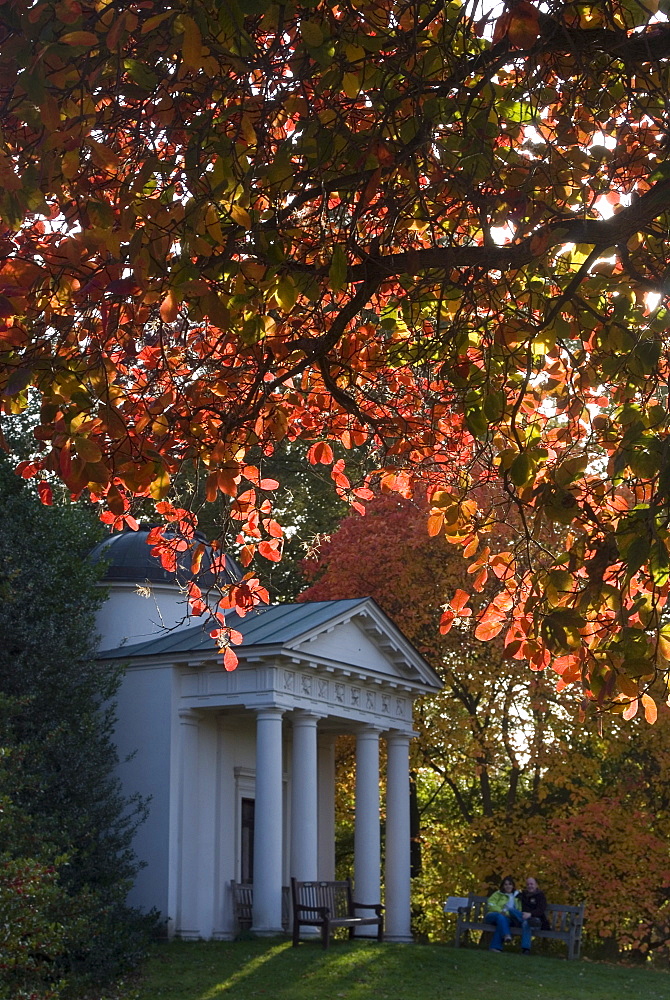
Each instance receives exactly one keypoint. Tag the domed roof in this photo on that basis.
(128, 558)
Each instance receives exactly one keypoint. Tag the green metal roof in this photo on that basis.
(271, 625)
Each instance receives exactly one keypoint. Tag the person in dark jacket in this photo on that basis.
(534, 907)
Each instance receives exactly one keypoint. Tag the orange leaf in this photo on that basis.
(321, 452)
(435, 522)
(103, 156)
(191, 46)
(631, 711)
(650, 710)
(488, 630)
(169, 309)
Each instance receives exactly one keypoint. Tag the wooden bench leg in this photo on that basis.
(325, 933)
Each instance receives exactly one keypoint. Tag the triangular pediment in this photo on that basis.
(364, 639)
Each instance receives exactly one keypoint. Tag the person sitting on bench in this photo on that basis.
(503, 912)
(533, 909)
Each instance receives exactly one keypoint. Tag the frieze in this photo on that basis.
(355, 696)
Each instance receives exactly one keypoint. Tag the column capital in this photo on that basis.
(399, 737)
(368, 732)
(269, 712)
(189, 716)
(304, 716)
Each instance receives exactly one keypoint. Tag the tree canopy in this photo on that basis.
(435, 231)
(505, 778)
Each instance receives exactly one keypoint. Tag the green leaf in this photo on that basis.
(521, 469)
(337, 274)
(141, 74)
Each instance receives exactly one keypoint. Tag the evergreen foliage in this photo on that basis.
(65, 828)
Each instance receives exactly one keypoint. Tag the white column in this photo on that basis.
(187, 843)
(366, 833)
(326, 786)
(397, 917)
(304, 798)
(268, 823)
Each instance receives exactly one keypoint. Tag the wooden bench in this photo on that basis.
(329, 905)
(565, 922)
(243, 904)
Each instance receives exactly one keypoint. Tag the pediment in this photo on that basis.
(368, 642)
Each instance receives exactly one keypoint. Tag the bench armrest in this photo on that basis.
(377, 907)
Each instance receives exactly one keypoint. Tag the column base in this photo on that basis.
(268, 931)
(398, 939)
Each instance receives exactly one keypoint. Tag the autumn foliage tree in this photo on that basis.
(412, 226)
(506, 778)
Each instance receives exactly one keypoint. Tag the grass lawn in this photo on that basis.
(273, 970)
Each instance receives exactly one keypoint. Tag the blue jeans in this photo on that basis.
(502, 923)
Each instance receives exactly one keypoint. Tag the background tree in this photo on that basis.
(438, 232)
(506, 779)
(67, 830)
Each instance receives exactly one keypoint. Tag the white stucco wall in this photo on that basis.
(129, 617)
(144, 737)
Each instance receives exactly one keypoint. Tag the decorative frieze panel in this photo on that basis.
(292, 686)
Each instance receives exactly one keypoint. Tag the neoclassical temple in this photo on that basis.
(239, 767)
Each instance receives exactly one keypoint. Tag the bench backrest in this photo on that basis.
(243, 900)
(335, 895)
(243, 903)
(560, 917)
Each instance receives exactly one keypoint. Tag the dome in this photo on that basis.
(128, 559)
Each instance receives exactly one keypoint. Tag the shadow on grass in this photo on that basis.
(357, 970)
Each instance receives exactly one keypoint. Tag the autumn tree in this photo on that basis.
(416, 226)
(506, 779)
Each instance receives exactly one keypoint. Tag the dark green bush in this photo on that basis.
(66, 859)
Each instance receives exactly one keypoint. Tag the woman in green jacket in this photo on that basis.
(503, 912)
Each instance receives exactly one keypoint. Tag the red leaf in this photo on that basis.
(321, 452)
(230, 660)
(458, 602)
(270, 550)
(46, 495)
(446, 621)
